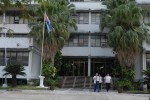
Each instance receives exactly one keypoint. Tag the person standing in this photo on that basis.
(100, 82)
(96, 82)
(107, 82)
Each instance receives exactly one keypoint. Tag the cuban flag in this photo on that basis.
(48, 23)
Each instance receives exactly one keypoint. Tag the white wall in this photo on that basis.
(85, 28)
(16, 42)
(17, 28)
(85, 51)
(138, 67)
(143, 1)
(35, 68)
(89, 5)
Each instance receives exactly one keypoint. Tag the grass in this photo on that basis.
(24, 87)
(139, 92)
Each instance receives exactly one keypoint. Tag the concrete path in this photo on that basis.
(68, 94)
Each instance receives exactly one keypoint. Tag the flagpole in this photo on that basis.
(42, 77)
(42, 48)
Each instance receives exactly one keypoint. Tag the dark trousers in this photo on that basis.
(96, 86)
(107, 86)
(100, 86)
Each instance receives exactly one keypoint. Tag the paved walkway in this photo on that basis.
(69, 94)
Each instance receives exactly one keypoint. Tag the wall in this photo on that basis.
(86, 51)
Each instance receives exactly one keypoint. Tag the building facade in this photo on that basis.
(86, 52)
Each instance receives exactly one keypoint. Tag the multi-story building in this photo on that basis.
(19, 47)
(86, 50)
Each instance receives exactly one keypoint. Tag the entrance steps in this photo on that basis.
(77, 82)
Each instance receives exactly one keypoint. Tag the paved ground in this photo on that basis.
(69, 94)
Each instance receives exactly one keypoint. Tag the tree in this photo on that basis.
(126, 30)
(59, 13)
(14, 70)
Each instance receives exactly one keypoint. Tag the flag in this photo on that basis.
(48, 23)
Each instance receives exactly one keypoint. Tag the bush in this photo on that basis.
(33, 82)
(126, 84)
(52, 82)
(147, 77)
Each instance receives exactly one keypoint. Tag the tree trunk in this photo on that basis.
(14, 81)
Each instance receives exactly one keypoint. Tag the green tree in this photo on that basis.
(126, 30)
(14, 70)
(59, 13)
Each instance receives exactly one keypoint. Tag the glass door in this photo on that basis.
(79, 68)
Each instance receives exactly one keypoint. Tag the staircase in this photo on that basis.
(77, 82)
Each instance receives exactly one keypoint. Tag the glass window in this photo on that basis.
(77, 40)
(95, 18)
(1, 58)
(147, 63)
(98, 41)
(16, 57)
(93, 40)
(1, 19)
(146, 17)
(83, 18)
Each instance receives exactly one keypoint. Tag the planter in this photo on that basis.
(51, 87)
(120, 90)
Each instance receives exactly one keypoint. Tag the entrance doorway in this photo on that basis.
(79, 68)
(98, 67)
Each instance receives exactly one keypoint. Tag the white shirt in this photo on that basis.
(95, 78)
(107, 79)
(100, 79)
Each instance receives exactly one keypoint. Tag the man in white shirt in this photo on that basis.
(107, 82)
(96, 82)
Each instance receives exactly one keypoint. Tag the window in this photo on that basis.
(77, 40)
(2, 58)
(95, 18)
(98, 41)
(81, 18)
(1, 19)
(146, 18)
(147, 60)
(76, 0)
(14, 57)
(12, 17)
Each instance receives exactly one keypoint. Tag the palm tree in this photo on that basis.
(14, 70)
(59, 13)
(126, 30)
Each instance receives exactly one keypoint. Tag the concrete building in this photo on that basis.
(86, 50)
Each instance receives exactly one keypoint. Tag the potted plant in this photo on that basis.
(120, 85)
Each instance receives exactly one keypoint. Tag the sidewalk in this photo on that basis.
(69, 94)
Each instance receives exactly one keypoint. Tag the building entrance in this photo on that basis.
(98, 67)
(79, 68)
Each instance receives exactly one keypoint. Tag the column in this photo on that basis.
(89, 55)
(144, 68)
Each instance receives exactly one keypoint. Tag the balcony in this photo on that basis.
(85, 51)
(15, 42)
(143, 1)
(17, 28)
(85, 28)
(89, 5)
